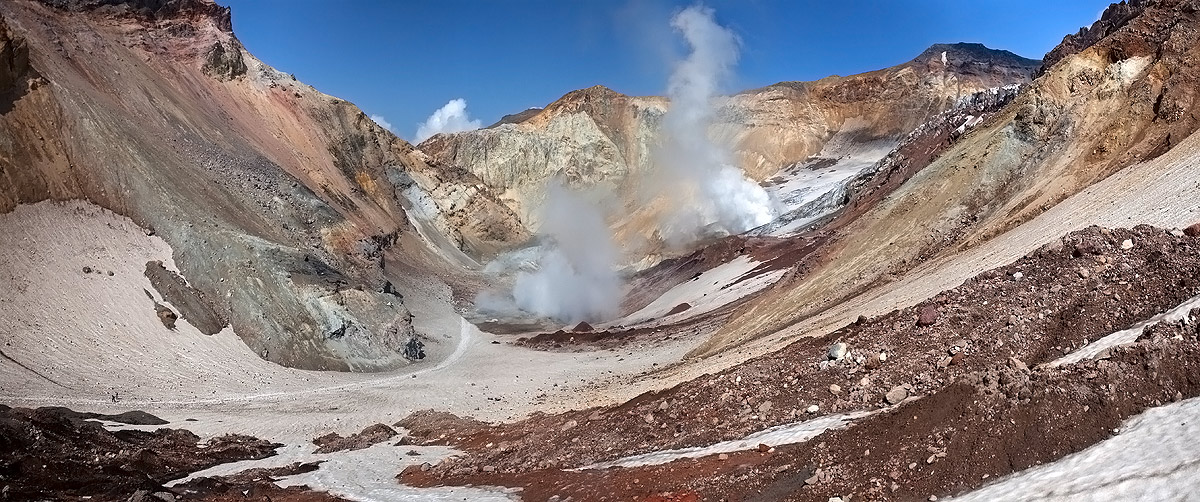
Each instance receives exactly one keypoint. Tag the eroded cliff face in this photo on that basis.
(279, 201)
(598, 137)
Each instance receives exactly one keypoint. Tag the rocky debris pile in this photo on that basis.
(56, 451)
(369, 436)
(988, 423)
(251, 484)
(987, 332)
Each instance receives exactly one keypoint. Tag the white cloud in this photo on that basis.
(450, 118)
(382, 122)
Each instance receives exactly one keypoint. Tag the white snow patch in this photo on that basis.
(798, 432)
(806, 194)
(711, 290)
(366, 475)
(1152, 458)
(1126, 336)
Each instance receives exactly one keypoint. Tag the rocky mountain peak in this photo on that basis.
(1115, 17)
(154, 10)
(962, 53)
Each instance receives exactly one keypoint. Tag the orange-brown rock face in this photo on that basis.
(1123, 96)
(277, 198)
(598, 137)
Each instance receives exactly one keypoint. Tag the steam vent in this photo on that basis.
(589, 251)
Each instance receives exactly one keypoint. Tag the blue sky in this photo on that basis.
(404, 60)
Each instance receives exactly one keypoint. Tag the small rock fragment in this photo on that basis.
(928, 315)
(816, 477)
(897, 394)
(1018, 276)
(1127, 244)
(813, 409)
(835, 388)
(765, 406)
(838, 351)
(723, 456)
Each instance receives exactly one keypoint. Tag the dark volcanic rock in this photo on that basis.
(151, 9)
(55, 452)
(134, 417)
(332, 442)
(414, 350)
(1192, 231)
(582, 327)
(191, 302)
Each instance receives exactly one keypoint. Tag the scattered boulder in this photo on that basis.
(1192, 231)
(897, 394)
(1017, 364)
(414, 350)
(838, 351)
(927, 316)
(166, 315)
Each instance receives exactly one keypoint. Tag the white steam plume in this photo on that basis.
(450, 118)
(573, 278)
(721, 195)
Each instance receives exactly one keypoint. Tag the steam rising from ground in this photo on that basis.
(450, 118)
(718, 196)
(574, 278)
(570, 276)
